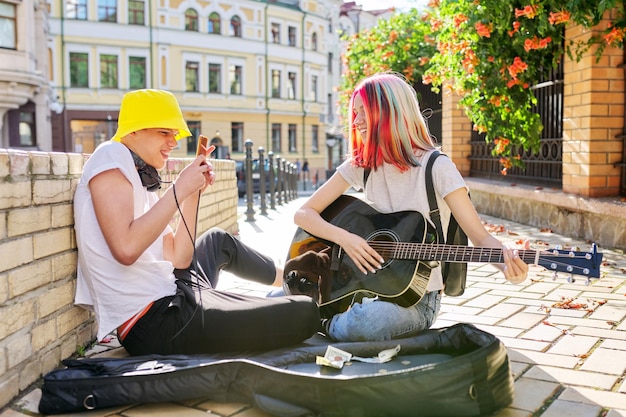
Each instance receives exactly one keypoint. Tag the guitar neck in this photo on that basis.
(447, 253)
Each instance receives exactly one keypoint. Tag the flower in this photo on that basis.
(557, 18)
(484, 30)
(528, 11)
(517, 67)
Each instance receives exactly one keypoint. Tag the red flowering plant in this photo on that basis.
(490, 52)
(401, 44)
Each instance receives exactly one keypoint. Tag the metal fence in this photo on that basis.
(543, 167)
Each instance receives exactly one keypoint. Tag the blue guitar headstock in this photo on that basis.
(586, 264)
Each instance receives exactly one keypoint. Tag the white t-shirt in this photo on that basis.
(389, 190)
(116, 292)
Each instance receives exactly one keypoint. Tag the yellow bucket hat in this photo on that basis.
(148, 108)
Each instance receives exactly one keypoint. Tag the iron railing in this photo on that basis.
(544, 167)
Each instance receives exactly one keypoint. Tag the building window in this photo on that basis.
(27, 129)
(108, 71)
(76, 9)
(235, 26)
(329, 103)
(275, 33)
(107, 11)
(136, 12)
(236, 133)
(8, 37)
(191, 20)
(192, 141)
(276, 140)
(215, 78)
(315, 138)
(215, 23)
(330, 62)
(292, 36)
(314, 41)
(293, 141)
(137, 72)
(234, 79)
(191, 77)
(79, 74)
(276, 83)
(314, 88)
(291, 86)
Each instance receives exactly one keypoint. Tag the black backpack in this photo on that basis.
(454, 273)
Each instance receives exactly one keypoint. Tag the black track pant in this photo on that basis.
(221, 321)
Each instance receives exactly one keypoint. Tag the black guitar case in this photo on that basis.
(455, 371)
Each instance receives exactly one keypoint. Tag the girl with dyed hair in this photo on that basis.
(390, 142)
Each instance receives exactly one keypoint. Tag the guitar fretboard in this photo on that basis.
(446, 253)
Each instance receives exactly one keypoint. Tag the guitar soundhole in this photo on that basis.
(379, 239)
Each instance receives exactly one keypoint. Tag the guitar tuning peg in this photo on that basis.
(588, 282)
(571, 279)
(555, 275)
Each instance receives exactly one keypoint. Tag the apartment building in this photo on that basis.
(24, 93)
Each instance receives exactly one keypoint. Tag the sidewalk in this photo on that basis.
(567, 342)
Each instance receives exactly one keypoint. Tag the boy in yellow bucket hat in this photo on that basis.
(154, 284)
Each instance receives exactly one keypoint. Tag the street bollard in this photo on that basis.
(249, 188)
(262, 176)
(272, 173)
(279, 183)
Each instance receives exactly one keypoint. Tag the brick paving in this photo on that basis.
(566, 361)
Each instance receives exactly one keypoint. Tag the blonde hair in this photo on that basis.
(396, 128)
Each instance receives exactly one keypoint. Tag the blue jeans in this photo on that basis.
(373, 320)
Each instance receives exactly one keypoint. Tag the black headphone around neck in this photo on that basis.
(148, 174)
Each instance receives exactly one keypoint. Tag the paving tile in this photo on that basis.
(502, 311)
(224, 409)
(464, 317)
(164, 410)
(543, 288)
(511, 412)
(500, 331)
(611, 311)
(573, 345)
(531, 394)
(484, 301)
(13, 413)
(544, 333)
(522, 320)
(464, 309)
(616, 413)
(560, 408)
(600, 333)
(606, 399)
(571, 377)
(607, 361)
(518, 368)
(541, 358)
(576, 321)
(514, 343)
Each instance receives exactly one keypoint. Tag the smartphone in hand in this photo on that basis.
(203, 143)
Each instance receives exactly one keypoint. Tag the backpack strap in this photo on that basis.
(435, 216)
(366, 174)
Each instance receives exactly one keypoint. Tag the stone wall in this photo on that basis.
(598, 220)
(39, 325)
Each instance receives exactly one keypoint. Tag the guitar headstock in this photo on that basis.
(586, 264)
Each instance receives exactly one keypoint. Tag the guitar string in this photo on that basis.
(397, 250)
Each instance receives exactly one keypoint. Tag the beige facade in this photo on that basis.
(24, 96)
(240, 69)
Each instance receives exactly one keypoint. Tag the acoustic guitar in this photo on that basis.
(409, 247)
